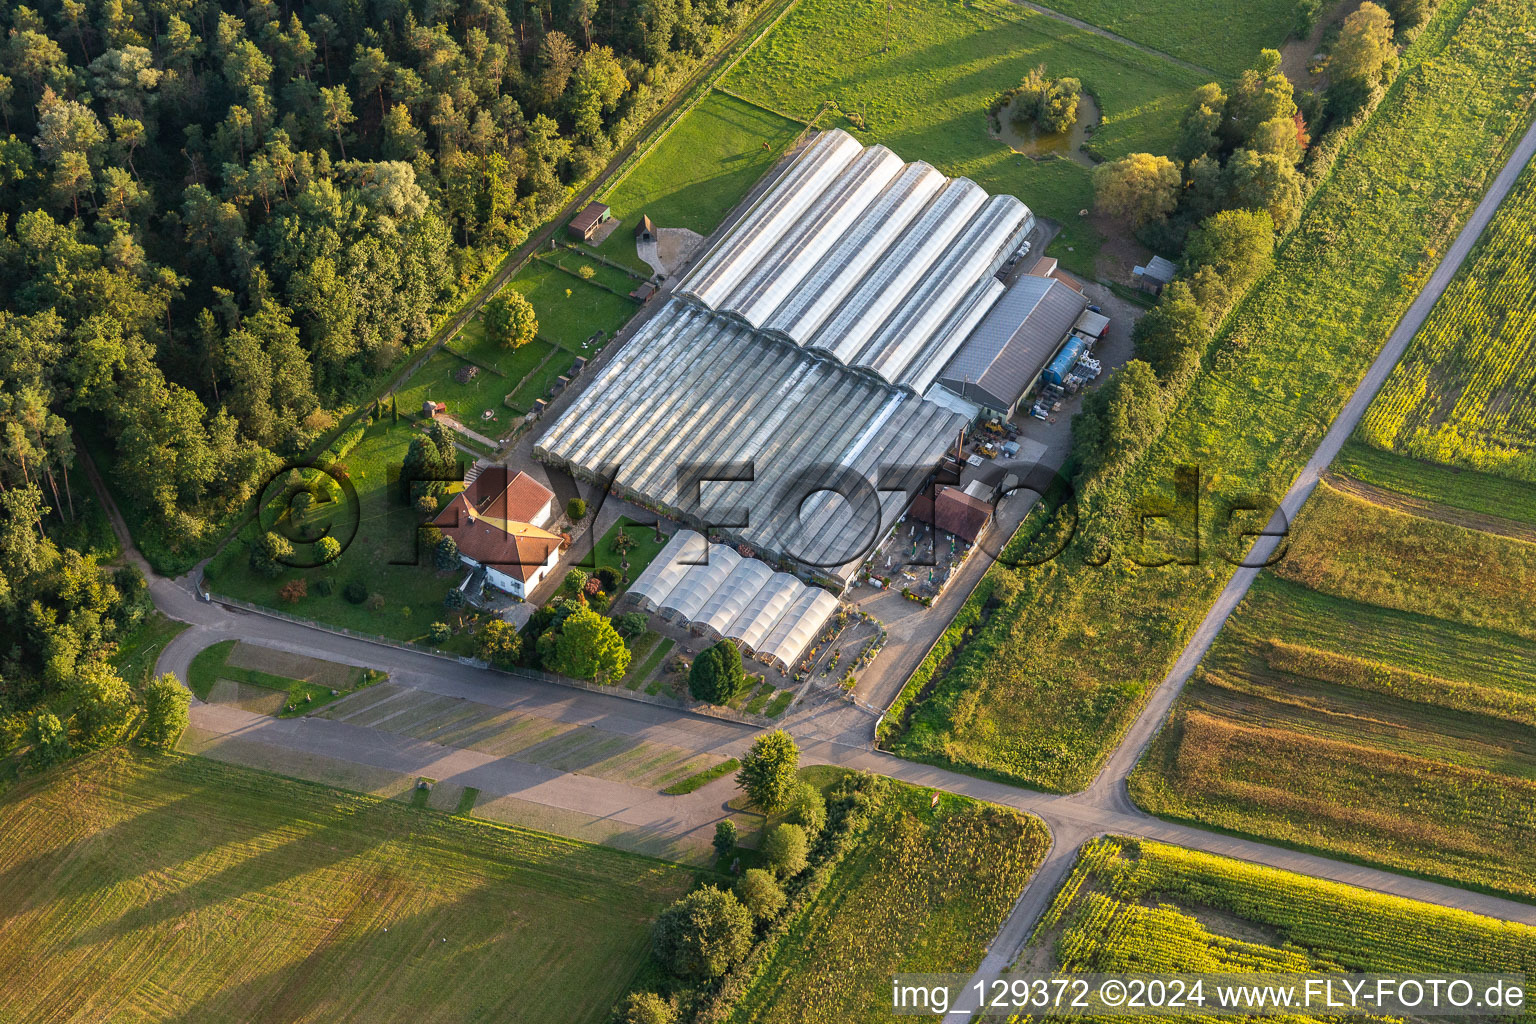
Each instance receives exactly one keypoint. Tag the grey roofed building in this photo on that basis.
(1007, 350)
(1157, 273)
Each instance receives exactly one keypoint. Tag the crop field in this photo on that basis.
(1480, 494)
(920, 75)
(1063, 654)
(923, 890)
(383, 556)
(700, 169)
(1370, 699)
(1229, 34)
(181, 889)
(1464, 394)
(1146, 908)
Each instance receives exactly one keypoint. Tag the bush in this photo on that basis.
(608, 578)
(646, 1008)
(325, 586)
(703, 934)
(165, 712)
(427, 505)
(355, 592)
(716, 675)
(760, 893)
(787, 850)
(269, 554)
(499, 644)
(576, 508)
(725, 838)
(327, 549)
(49, 743)
(768, 770)
(445, 556)
(807, 809)
(438, 633)
(293, 591)
(630, 624)
(375, 602)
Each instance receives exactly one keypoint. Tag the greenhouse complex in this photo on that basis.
(800, 356)
(712, 588)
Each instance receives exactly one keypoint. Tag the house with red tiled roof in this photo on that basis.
(499, 525)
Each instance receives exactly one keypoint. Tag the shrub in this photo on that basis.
(269, 553)
(375, 602)
(760, 893)
(327, 549)
(325, 586)
(445, 556)
(165, 712)
(768, 770)
(576, 508)
(438, 633)
(703, 934)
(630, 624)
(49, 743)
(294, 591)
(807, 809)
(355, 592)
(786, 850)
(608, 578)
(716, 675)
(646, 1008)
(499, 644)
(725, 838)
(426, 505)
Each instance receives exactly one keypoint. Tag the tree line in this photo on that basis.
(222, 222)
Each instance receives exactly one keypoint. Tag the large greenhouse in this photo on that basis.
(712, 588)
(794, 357)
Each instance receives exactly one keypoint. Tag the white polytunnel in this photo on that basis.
(714, 589)
(771, 397)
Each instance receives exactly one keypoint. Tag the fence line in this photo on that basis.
(706, 710)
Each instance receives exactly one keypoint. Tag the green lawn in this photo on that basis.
(1145, 908)
(646, 548)
(138, 651)
(412, 594)
(182, 889)
(927, 96)
(699, 170)
(921, 889)
(1217, 34)
(1064, 654)
(312, 683)
(466, 402)
(569, 320)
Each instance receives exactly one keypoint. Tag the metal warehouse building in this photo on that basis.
(771, 615)
(801, 345)
(1002, 358)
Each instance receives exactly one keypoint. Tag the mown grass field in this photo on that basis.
(1146, 908)
(1228, 37)
(383, 555)
(181, 889)
(1063, 655)
(700, 169)
(1464, 394)
(1376, 698)
(234, 671)
(923, 890)
(1482, 494)
(926, 96)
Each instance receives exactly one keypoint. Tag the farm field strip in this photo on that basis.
(1229, 36)
(1464, 394)
(176, 888)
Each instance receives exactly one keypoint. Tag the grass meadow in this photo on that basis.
(920, 75)
(1228, 38)
(923, 889)
(181, 889)
(1059, 657)
(1146, 908)
(1482, 494)
(1375, 697)
(697, 172)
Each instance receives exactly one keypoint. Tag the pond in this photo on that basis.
(1032, 142)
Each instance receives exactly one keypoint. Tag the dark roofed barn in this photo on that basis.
(645, 231)
(584, 225)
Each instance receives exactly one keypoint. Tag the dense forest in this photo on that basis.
(222, 223)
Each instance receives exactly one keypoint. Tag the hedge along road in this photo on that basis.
(1103, 808)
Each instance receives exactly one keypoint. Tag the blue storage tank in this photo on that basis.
(1059, 367)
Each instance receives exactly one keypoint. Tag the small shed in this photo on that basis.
(645, 231)
(1155, 275)
(584, 225)
(644, 293)
(429, 408)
